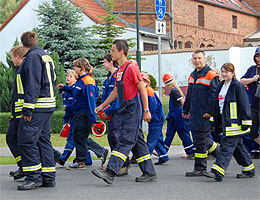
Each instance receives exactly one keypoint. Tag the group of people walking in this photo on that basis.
(127, 100)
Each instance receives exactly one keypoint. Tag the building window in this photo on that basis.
(201, 16)
(210, 46)
(234, 21)
(150, 47)
(202, 45)
(188, 44)
(179, 45)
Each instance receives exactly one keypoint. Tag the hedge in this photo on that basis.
(56, 122)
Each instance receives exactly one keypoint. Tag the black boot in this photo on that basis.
(14, 173)
(107, 175)
(29, 185)
(19, 175)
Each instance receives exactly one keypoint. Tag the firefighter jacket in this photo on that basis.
(155, 108)
(17, 98)
(85, 95)
(67, 101)
(235, 118)
(35, 81)
(108, 87)
(200, 97)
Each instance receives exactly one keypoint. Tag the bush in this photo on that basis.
(56, 122)
(153, 81)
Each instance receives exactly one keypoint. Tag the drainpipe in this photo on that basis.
(172, 26)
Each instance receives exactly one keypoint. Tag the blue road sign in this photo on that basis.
(160, 8)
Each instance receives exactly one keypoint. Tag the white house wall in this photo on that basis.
(180, 64)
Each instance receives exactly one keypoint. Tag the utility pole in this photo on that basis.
(138, 52)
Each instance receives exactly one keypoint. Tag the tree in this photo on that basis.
(7, 7)
(61, 32)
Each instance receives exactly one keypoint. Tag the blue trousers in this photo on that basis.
(70, 146)
(155, 142)
(114, 126)
(233, 146)
(12, 141)
(82, 142)
(183, 132)
(36, 149)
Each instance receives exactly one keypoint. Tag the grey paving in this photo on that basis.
(171, 184)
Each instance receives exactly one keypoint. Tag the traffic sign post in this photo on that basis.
(160, 29)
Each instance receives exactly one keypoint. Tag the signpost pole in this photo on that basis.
(159, 67)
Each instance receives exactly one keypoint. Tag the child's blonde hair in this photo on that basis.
(71, 71)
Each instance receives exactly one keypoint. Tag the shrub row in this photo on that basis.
(56, 122)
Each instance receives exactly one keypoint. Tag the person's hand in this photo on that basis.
(206, 115)
(60, 86)
(27, 118)
(255, 78)
(147, 116)
(64, 107)
(186, 116)
(98, 109)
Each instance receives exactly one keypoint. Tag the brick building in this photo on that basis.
(198, 23)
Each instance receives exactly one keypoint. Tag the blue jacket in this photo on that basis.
(200, 97)
(85, 95)
(67, 101)
(36, 82)
(155, 107)
(236, 109)
(108, 87)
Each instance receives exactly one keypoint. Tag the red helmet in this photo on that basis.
(167, 78)
(134, 62)
(98, 129)
(102, 112)
(146, 77)
(65, 130)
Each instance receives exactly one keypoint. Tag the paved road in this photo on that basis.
(171, 184)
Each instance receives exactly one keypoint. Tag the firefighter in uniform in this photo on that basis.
(155, 126)
(16, 55)
(175, 121)
(128, 82)
(199, 107)
(232, 114)
(36, 82)
(114, 124)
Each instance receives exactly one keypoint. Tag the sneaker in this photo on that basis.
(246, 175)
(194, 173)
(105, 175)
(77, 166)
(155, 153)
(123, 171)
(104, 157)
(60, 162)
(146, 177)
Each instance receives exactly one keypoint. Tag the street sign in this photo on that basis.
(160, 27)
(160, 8)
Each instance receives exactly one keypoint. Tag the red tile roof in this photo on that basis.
(90, 8)
(234, 4)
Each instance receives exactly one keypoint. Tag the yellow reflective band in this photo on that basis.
(32, 168)
(211, 119)
(201, 155)
(46, 100)
(45, 105)
(18, 158)
(29, 105)
(19, 84)
(247, 122)
(120, 155)
(248, 168)
(143, 158)
(233, 110)
(219, 169)
(213, 147)
(19, 116)
(48, 169)
(240, 132)
(233, 127)
(18, 109)
(47, 59)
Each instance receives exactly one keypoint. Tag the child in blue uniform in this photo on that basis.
(85, 94)
(155, 136)
(175, 121)
(232, 114)
(68, 118)
(115, 123)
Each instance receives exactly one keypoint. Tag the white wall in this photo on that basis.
(180, 64)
